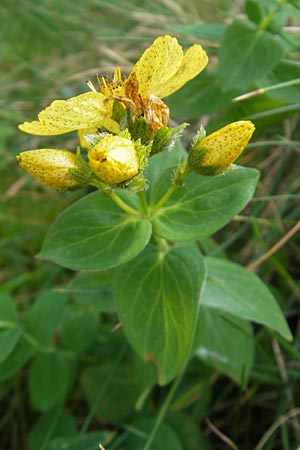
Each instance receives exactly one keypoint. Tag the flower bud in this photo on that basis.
(214, 153)
(114, 159)
(50, 167)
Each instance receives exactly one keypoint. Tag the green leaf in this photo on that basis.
(8, 311)
(232, 288)
(8, 341)
(209, 31)
(188, 430)
(45, 315)
(157, 295)
(203, 205)
(123, 384)
(89, 441)
(20, 356)
(225, 342)
(49, 379)
(165, 438)
(161, 161)
(79, 328)
(94, 233)
(94, 289)
(203, 96)
(55, 423)
(246, 54)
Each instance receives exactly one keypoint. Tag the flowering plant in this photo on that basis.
(152, 206)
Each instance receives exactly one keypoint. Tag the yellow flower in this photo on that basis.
(114, 159)
(50, 167)
(214, 153)
(91, 109)
(162, 69)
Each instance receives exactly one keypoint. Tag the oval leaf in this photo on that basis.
(234, 289)
(94, 233)
(157, 295)
(8, 341)
(203, 205)
(225, 342)
(49, 379)
(246, 54)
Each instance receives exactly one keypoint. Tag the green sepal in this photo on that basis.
(118, 112)
(137, 184)
(201, 133)
(83, 175)
(161, 140)
(139, 129)
(143, 152)
(180, 172)
(165, 138)
(195, 160)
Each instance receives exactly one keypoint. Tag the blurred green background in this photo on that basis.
(49, 48)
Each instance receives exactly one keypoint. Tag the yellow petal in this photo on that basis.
(114, 159)
(194, 61)
(158, 64)
(214, 153)
(84, 111)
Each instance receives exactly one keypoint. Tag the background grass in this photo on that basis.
(48, 49)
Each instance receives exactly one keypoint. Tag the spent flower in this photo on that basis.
(162, 70)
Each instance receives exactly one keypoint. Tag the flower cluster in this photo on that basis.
(125, 122)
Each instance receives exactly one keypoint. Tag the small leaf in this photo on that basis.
(93, 288)
(89, 441)
(232, 288)
(8, 341)
(209, 31)
(94, 233)
(49, 379)
(157, 295)
(165, 438)
(79, 328)
(20, 355)
(203, 205)
(187, 428)
(59, 421)
(225, 342)
(122, 380)
(45, 315)
(246, 54)
(8, 312)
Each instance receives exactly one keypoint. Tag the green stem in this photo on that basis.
(143, 201)
(51, 428)
(124, 206)
(163, 411)
(161, 243)
(171, 190)
(165, 197)
(102, 389)
(268, 19)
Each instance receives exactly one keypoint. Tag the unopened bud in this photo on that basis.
(214, 153)
(114, 159)
(50, 167)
